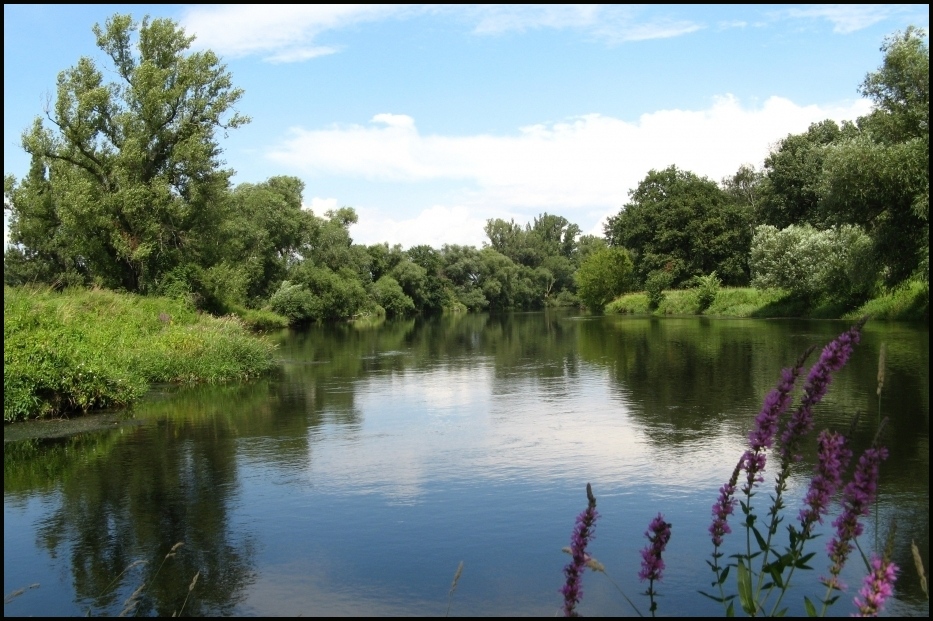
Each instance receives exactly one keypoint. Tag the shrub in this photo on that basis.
(602, 276)
(836, 264)
(707, 287)
(655, 284)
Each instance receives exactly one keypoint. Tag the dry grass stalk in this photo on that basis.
(882, 360)
(194, 581)
(132, 601)
(453, 586)
(918, 563)
(9, 598)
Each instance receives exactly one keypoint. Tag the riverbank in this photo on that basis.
(89, 349)
(908, 303)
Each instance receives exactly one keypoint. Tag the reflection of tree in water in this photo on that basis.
(165, 483)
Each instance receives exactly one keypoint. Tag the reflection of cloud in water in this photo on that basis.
(447, 424)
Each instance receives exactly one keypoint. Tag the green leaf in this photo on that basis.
(775, 572)
(746, 599)
(811, 609)
(762, 545)
(725, 574)
(730, 611)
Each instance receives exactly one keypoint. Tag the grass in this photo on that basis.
(909, 302)
(86, 349)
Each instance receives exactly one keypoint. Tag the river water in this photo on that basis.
(357, 478)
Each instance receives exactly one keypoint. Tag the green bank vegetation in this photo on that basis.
(909, 302)
(96, 348)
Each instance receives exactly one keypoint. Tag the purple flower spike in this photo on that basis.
(833, 458)
(857, 499)
(761, 436)
(658, 534)
(724, 507)
(582, 533)
(879, 586)
(832, 359)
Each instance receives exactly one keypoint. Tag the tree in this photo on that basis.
(683, 224)
(602, 276)
(126, 182)
(900, 89)
(880, 179)
(793, 173)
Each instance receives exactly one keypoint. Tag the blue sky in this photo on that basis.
(431, 119)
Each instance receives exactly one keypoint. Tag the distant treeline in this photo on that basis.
(127, 190)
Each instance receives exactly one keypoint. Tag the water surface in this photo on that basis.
(356, 479)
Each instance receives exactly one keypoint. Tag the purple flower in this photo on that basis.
(658, 534)
(582, 533)
(833, 358)
(761, 436)
(724, 507)
(833, 458)
(857, 498)
(878, 586)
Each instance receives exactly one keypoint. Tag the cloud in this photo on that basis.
(848, 18)
(287, 33)
(321, 205)
(435, 226)
(281, 33)
(585, 163)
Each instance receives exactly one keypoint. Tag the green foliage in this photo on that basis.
(389, 294)
(602, 276)
(81, 350)
(635, 303)
(655, 285)
(684, 225)
(127, 184)
(790, 193)
(293, 301)
(884, 188)
(909, 301)
(707, 287)
(262, 320)
(900, 88)
(264, 228)
(546, 253)
(835, 264)
(874, 174)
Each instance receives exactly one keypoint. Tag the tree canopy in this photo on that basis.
(684, 225)
(126, 180)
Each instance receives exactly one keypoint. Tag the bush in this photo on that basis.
(707, 287)
(293, 301)
(836, 264)
(655, 284)
(390, 296)
(602, 276)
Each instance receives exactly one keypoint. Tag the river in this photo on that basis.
(357, 478)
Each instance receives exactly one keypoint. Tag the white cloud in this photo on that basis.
(299, 54)
(321, 205)
(286, 33)
(283, 33)
(613, 23)
(848, 18)
(435, 226)
(585, 163)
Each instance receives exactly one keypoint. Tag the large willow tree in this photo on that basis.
(126, 180)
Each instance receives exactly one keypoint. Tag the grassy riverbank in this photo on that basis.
(86, 349)
(910, 302)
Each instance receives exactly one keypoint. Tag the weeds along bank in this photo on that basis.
(908, 302)
(85, 349)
